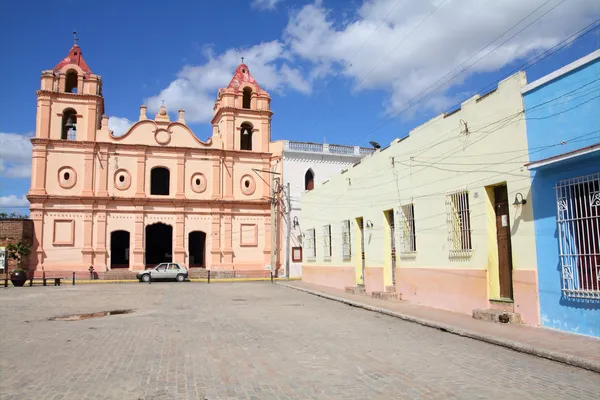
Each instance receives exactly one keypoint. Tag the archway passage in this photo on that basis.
(159, 181)
(119, 249)
(159, 244)
(309, 180)
(196, 249)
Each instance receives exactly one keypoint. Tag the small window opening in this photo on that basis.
(71, 82)
(159, 181)
(69, 124)
(246, 137)
(198, 181)
(247, 97)
(67, 176)
(247, 183)
(121, 178)
(309, 180)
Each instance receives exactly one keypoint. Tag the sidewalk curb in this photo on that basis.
(520, 347)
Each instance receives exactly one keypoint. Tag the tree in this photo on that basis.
(18, 252)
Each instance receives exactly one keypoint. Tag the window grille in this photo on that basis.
(409, 238)
(309, 244)
(327, 241)
(578, 219)
(346, 247)
(458, 218)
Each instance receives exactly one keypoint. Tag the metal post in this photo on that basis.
(43, 278)
(288, 233)
(73, 278)
(271, 276)
(273, 227)
(209, 276)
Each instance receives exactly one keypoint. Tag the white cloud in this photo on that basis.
(452, 34)
(13, 201)
(119, 125)
(15, 155)
(265, 4)
(196, 86)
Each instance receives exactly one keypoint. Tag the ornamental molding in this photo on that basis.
(42, 94)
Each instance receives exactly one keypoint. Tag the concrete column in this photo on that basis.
(38, 169)
(36, 258)
(228, 239)
(43, 119)
(229, 132)
(179, 254)
(138, 240)
(91, 123)
(180, 191)
(88, 173)
(140, 176)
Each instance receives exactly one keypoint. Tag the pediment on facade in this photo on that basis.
(152, 133)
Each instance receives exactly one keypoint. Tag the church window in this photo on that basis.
(69, 124)
(159, 181)
(247, 97)
(309, 180)
(71, 81)
(246, 136)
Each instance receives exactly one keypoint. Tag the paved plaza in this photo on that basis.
(249, 341)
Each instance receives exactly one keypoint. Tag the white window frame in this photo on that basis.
(346, 240)
(408, 232)
(578, 220)
(458, 220)
(309, 244)
(327, 251)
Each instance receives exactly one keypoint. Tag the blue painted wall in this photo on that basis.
(566, 109)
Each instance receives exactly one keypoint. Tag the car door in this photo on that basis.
(160, 272)
(171, 271)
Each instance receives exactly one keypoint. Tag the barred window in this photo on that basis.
(309, 244)
(458, 218)
(327, 241)
(578, 219)
(346, 247)
(409, 237)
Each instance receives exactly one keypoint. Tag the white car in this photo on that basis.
(164, 271)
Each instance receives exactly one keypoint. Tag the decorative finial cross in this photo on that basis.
(163, 103)
(242, 60)
(75, 38)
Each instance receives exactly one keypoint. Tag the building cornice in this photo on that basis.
(83, 96)
(233, 110)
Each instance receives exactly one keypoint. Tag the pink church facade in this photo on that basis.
(156, 193)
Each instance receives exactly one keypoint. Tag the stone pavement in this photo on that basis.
(577, 350)
(249, 341)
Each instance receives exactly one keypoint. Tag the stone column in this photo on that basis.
(229, 135)
(103, 171)
(43, 119)
(215, 251)
(37, 250)
(140, 176)
(179, 254)
(100, 253)
(92, 121)
(180, 191)
(88, 173)
(87, 252)
(228, 178)
(228, 239)
(138, 240)
(216, 178)
(38, 169)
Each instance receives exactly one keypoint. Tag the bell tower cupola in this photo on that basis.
(242, 113)
(70, 102)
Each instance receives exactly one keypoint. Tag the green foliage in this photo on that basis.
(13, 215)
(18, 252)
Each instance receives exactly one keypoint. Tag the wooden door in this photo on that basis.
(503, 239)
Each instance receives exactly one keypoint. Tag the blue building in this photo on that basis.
(562, 111)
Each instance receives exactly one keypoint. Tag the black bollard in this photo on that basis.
(271, 276)
(209, 276)
(73, 278)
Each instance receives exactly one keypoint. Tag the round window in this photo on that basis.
(67, 176)
(122, 178)
(248, 185)
(198, 182)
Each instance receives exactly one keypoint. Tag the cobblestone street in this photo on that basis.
(249, 341)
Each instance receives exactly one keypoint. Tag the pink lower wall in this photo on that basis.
(458, 290)
(374, 279)
(327, 275)
(526, 298)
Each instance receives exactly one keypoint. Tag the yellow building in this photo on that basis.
(432, 217)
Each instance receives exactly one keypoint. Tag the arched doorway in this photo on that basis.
(159, 244)
(196, 249)
(309, 180)
(119, 249)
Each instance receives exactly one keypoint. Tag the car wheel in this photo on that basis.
(145, 278)
(180, 278)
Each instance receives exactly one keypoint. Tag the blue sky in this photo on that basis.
(335, 69)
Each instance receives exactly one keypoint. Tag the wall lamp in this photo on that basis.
(295, 222)
(518, 202)
(369, 224)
